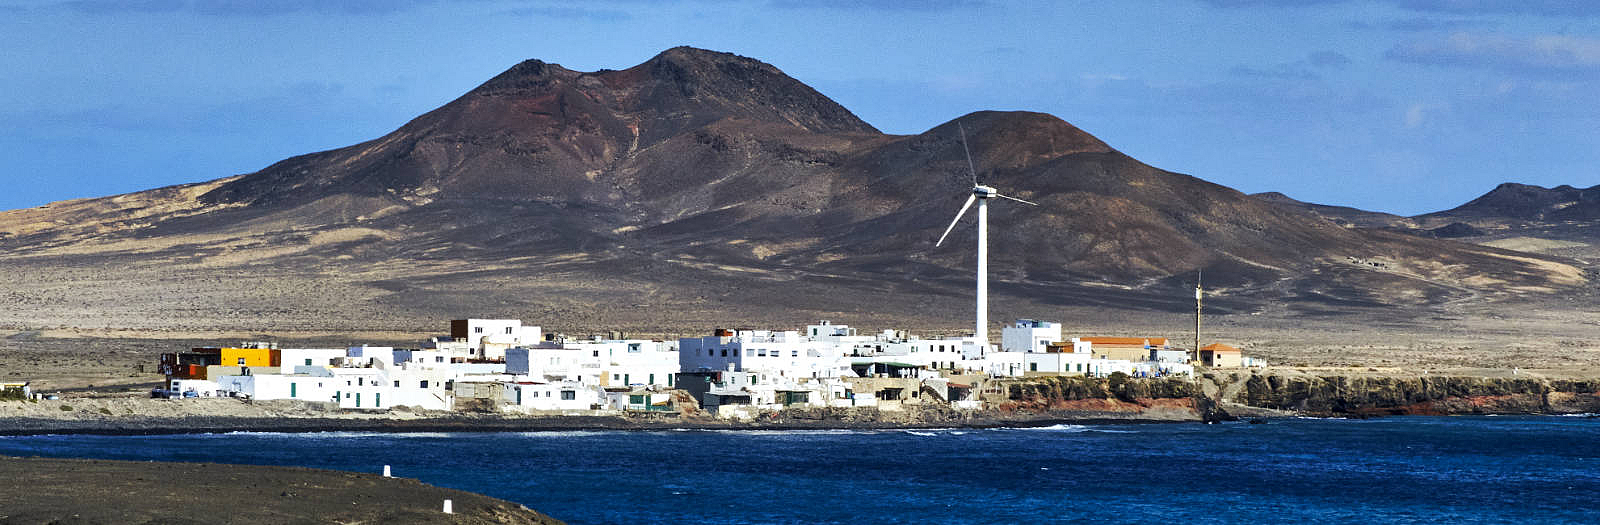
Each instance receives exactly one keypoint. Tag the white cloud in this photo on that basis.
(1542, 53)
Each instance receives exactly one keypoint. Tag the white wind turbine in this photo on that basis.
(982, 194)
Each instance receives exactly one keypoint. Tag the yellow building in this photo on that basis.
(249, 357)
(1124, 348)
(1218, 355)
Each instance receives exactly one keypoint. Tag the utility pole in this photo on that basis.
(1197, 294)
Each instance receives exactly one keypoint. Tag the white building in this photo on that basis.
(558, 396)
(490, 338)
(895, 347)
(825, 350)
(367, 377)
(631, 362)
(1105, 367)
(368, 355)
(554, 362)
(304, 387)
(1062, 363)
(291, 359)
(422, 358)
(784, 353)
(1028, 335)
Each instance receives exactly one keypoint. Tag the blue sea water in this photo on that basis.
(1408, 469)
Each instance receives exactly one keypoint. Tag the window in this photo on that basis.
(438, 359)
(569, 395)
(241, 361)
(794, 353)
(308, 362)
(596, 353)
(547, 393)
(750, 352)
(397, 384)
(508, 330)
(616, 377)
(1033, 367)
(724, 352)
(477, 329)
(424, 383)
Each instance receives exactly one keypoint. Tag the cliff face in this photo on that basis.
(1336, 395)
(1223, 396)
(1117, 397)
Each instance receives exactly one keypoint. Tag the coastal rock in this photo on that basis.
(1357, 395)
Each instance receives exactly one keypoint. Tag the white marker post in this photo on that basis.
(447, 509)
(386, 471)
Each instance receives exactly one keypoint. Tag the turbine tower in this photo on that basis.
(982, 194)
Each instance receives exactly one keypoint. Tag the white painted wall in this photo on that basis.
(566, 395)
(1058, 362)
(1027, 335)
(289, 358)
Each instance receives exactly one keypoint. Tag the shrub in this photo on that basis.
(66, 408)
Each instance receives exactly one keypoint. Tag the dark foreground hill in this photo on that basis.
(701, 189)
(102, 491)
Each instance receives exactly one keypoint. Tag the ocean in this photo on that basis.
(1533, 469)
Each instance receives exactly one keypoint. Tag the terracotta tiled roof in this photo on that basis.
(1127, 341)
(1219, 347)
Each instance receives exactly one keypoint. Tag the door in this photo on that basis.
(358, 400)
(291, 389)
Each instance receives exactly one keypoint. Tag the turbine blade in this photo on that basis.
(970, 169)
(963, 211)
(1016, 199)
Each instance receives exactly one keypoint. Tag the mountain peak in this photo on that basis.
(1017, 134)
(526, 74)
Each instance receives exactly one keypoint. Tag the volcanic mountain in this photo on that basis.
(1529, 202)
(696, 189)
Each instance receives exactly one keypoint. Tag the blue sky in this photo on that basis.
(1404, 106)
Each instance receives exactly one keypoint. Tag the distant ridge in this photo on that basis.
(1529, 202)
(1343, 215)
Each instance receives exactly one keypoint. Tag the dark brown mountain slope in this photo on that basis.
(1563, 221)
(701, 188)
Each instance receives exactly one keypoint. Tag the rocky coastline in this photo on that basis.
(1030, 402)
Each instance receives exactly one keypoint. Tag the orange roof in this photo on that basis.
(1219, 347)
(1126, 341)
